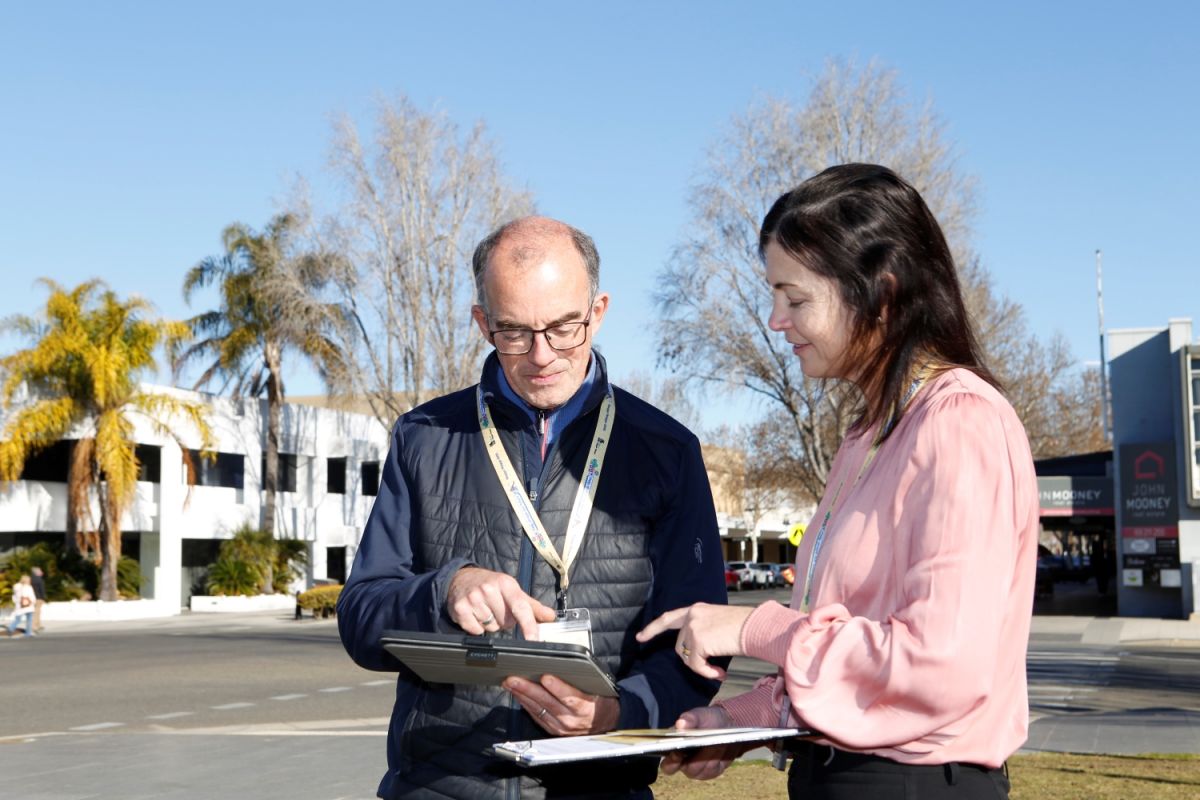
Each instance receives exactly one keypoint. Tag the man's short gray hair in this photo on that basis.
(539, 227)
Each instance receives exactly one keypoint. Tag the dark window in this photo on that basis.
(287, 472)
(53, 462)
(228, 470)
(335, 475)
(198, 552)
(50, 463)
(149, 458)
(335, 564)
(370, 477)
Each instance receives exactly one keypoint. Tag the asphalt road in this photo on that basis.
(263, 706)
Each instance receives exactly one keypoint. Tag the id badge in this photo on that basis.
(573, 626)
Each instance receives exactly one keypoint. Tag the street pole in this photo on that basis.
(1103, 363)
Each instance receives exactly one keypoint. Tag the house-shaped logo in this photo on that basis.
(1149, 466)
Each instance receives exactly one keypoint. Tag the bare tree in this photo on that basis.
(712, 294)
(667, 393)
(419, 197)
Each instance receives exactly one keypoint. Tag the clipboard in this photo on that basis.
(625, 743)
(485, 660)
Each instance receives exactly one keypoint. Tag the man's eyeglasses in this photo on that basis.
(519, 341)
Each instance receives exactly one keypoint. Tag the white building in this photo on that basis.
(329, 474)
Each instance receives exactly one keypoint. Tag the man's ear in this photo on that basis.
(599, 309)
(481, 320)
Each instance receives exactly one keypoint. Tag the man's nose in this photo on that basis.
(542, 353)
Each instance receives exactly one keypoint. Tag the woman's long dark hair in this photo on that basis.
(866, 229)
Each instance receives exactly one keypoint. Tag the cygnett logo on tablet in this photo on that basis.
(481, 658)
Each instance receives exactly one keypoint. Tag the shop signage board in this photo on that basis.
(1149, 513)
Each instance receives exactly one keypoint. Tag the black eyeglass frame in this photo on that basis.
(533, 332)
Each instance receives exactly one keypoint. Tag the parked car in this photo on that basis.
(1043, 585)
(761, 575)
(733, 580)
(783, 574)
(741, 569)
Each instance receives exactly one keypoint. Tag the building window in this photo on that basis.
(287, 471)
(370, 478)
(335, 564)
(149, 458)
(227, 469)
(52, 463)
(335, 475)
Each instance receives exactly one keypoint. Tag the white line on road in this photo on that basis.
(172, 715)
(288, 696)
(99, 726)
(378, 683)
(231, 706)
(332, 689)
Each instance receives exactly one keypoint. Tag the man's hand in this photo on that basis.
(563, 710)
(481, 601)
(704, 763)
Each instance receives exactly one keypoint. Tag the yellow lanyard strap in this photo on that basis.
(585, 495)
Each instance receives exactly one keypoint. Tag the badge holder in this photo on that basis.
(573, 626)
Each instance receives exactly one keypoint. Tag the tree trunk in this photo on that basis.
(110, 547)
(274, 423)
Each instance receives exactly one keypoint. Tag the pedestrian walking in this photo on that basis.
(38, 581)
(24, 601)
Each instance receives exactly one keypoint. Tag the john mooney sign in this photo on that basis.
(1149, 509)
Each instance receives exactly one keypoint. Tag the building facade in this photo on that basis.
(329, 467)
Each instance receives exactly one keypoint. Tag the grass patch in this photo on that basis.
(1041, 776)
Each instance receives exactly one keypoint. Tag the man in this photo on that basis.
(445, 550)
(38, 581)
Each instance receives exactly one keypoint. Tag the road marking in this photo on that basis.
(231, 706)
(1062, 687)
(99, 726)
(288, 696)
(332, 689)
(172, 715)
(377, 683)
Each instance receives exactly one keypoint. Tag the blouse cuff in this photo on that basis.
(768, 631)
(753, 709)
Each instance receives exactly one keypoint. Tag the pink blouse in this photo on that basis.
(923, 590)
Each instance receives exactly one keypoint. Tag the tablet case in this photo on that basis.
(461, 658)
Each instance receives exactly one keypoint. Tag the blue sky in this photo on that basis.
(134, 132)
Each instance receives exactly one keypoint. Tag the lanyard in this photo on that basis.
(585, 495)
(816, 551)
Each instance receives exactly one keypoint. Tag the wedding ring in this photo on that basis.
(491, 618)
(683, 651)
(542, 714)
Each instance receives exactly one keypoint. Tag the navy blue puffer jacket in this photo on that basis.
(651, 545)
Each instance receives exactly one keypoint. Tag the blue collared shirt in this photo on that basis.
(556, 419)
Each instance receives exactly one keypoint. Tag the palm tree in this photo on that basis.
(81, 376)
(270, 303)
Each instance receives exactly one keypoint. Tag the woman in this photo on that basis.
(904, 643)
(23, 604)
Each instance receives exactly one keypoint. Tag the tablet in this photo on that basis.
(461, 658)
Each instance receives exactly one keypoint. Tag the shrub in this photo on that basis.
(68, 576)
(276, 562)
(320, 598)
(230, 575)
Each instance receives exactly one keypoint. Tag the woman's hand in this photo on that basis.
(704, 763)
(704, 630)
